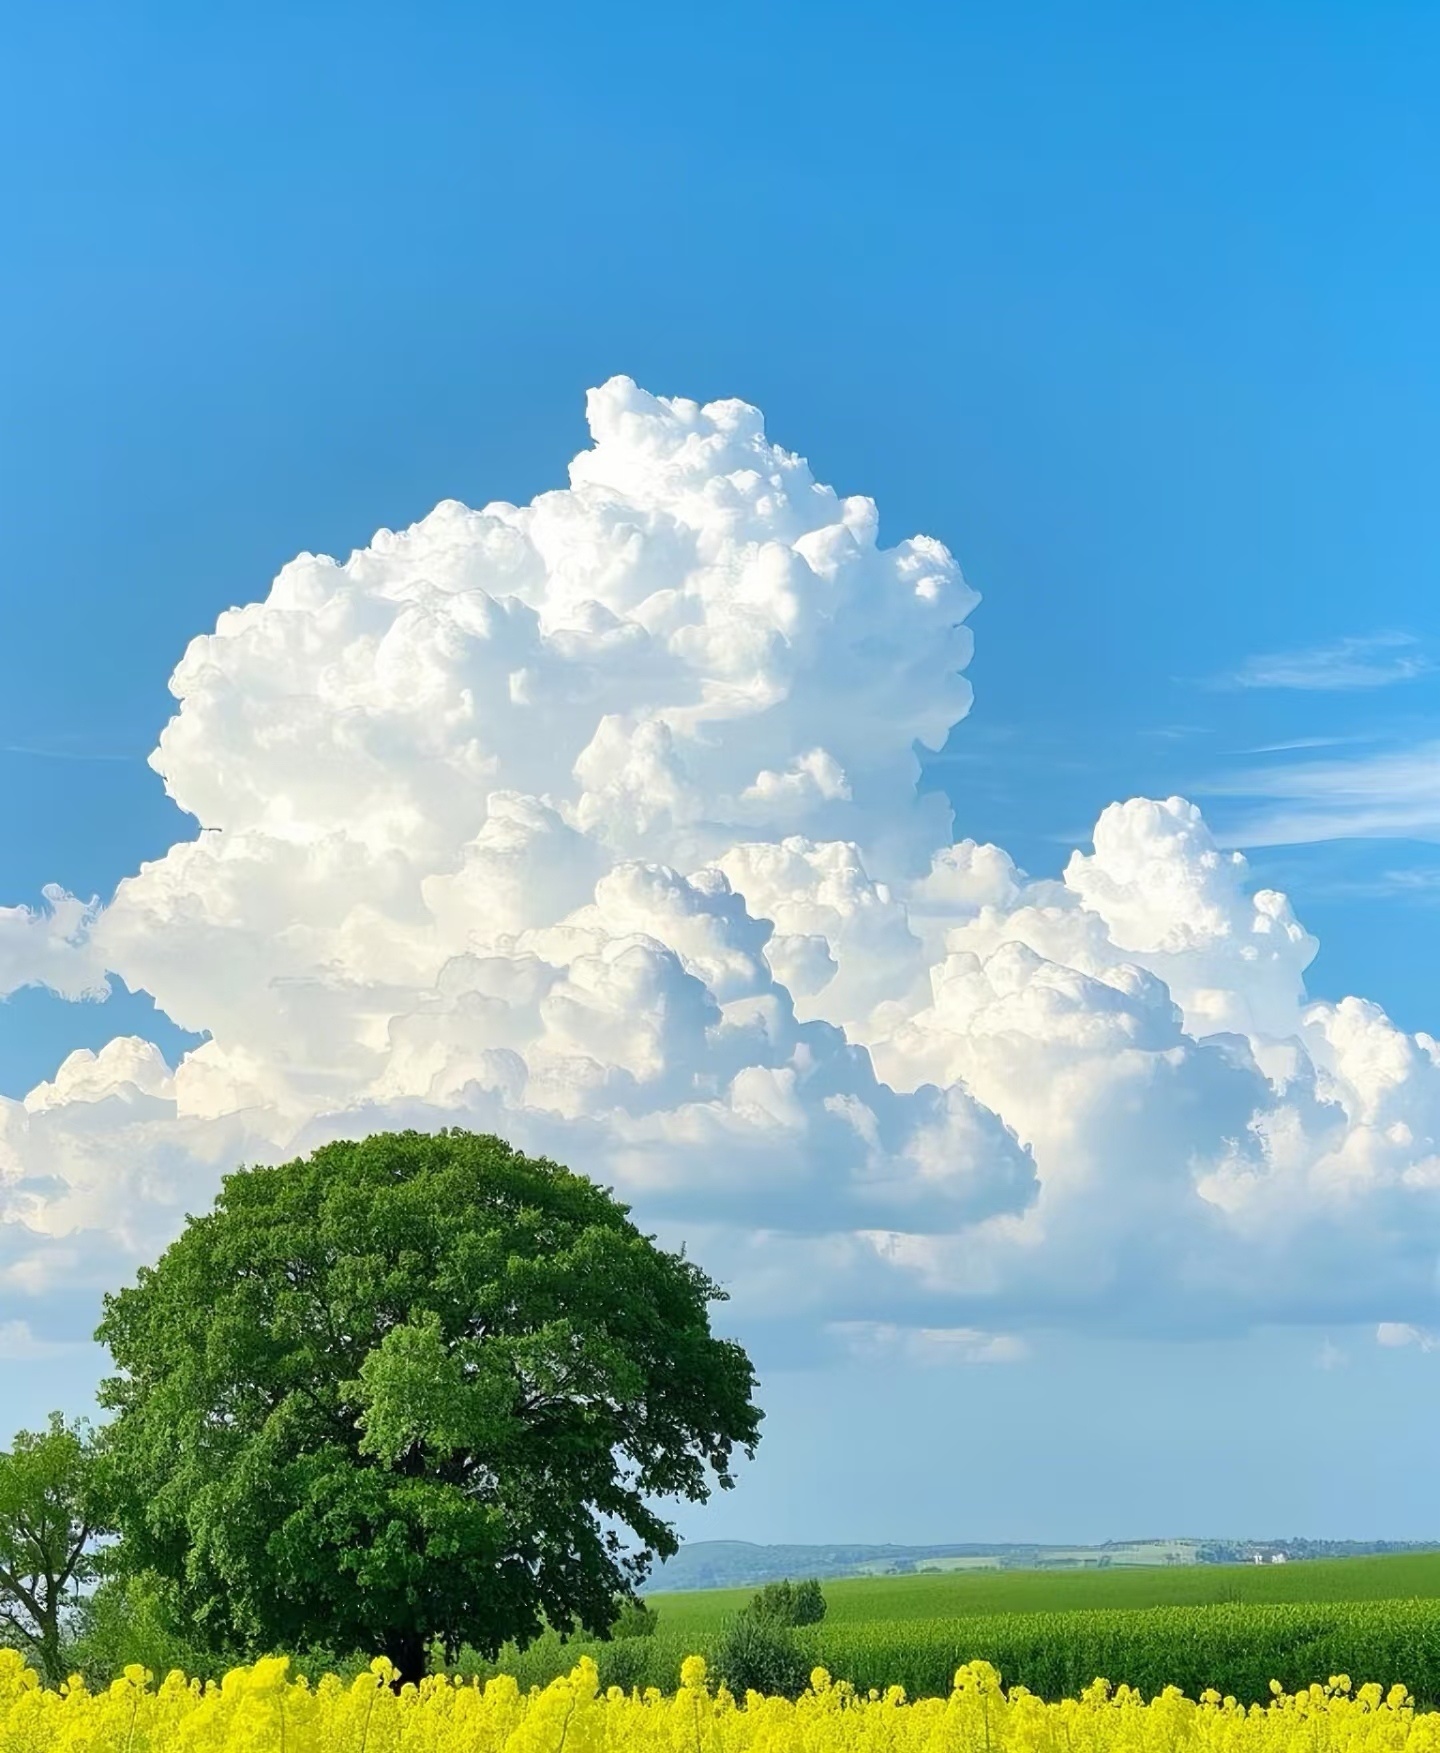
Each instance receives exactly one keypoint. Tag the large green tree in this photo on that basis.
(412, 1388)
(48, 1524)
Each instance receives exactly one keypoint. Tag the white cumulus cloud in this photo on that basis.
(49, 946)
(1395, 1335)
(594, 822)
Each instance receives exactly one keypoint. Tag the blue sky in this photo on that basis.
(1132, 309)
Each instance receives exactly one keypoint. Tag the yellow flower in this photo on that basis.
(261, 1709)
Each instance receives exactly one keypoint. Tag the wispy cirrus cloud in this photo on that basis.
(1295, 744)
(882, 1340)
(1373, 660)
(37, 751)
(1390, 794)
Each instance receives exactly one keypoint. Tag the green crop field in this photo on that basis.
(961, 1593)
(1235, 1627)
(1238, 1648)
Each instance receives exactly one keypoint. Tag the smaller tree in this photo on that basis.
(48, 1525)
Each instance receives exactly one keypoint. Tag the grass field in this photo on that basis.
(960, 1593)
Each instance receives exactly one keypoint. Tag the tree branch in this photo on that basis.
(8, 1580)
(18, 1626)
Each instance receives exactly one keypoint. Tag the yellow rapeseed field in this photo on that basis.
(260, 1709)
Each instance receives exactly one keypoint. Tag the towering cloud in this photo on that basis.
(594, 822)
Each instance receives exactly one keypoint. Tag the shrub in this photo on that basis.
(625, 1662)
(135, 1619)
(628, 1665)
(758, 1654)
(787, 1603)
(634, 1619)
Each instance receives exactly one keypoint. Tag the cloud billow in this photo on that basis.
(594, 822)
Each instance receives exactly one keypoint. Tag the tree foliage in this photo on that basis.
(48, 1524)
(412, 1388)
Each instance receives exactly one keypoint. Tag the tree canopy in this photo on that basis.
(411, 1388)
(48, 1521)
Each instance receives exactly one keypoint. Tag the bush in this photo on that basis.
(634, 1619)
(135, 1620)
(788, 1603)
(624, 1662)
(629, 1665)
(757, 1654)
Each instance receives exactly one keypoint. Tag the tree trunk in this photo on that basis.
(406, 1649)
(52, 1669)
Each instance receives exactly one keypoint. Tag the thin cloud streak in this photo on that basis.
(32, 751)
(1296, 744)
(1394, 795)
(1375, 660)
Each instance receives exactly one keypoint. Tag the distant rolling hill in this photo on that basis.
(722, 1564)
